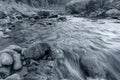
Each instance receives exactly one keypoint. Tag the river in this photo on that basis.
(91, 47)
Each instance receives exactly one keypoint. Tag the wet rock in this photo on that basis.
(2, 15)
(37, 50)
(6, 59)
(14, 77)
(87, 6)
(113, 12)
(4, 72)
(61, 18)
(92, 67)
(53, 16)
(15, 48)
(17, 62)
(76, 6)
(43, 14)
(16, 58)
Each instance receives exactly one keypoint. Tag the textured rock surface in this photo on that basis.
(37, 50)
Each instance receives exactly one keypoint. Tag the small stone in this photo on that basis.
(6, 59)
(17, 62)
(14, 77)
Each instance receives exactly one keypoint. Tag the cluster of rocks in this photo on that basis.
(15, 15)
(14, 58)
(94, 8)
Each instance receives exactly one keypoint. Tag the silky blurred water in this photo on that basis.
(92, 43)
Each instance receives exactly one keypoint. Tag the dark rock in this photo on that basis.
(2, 15)
(43, 14)
(37, 50)
(53, 16)
(61, 18)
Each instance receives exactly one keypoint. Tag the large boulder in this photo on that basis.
(37, 51)
(113, 12)
(92, 67)
(79, 6)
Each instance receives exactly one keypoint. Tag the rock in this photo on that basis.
(2, 15)
(88, 6)
(113, 12)
(76, 6)
(61, 18)
(1, 34)
(92, 67)
(53, 16)
(16, 58)
(15, 48)
(37, 50)
(17, 62)
(14, 77)
(6, 59)
(43, 14)
(4, 72)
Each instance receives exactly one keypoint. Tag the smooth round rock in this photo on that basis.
(6, 59)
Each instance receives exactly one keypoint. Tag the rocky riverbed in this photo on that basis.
(70, 48)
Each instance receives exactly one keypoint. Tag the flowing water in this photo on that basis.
(91, 47)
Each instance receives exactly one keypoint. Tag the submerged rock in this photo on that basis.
(37, 50)
(6, 59)
(92, 67)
